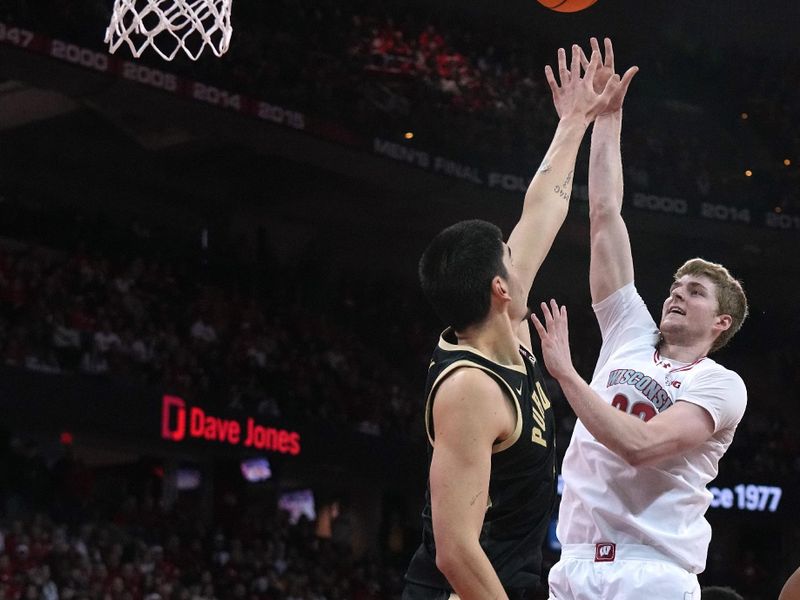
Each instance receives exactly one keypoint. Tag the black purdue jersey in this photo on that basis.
(522, 484)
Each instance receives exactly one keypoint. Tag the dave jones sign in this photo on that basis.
(181, 422)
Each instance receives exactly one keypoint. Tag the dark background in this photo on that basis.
(324, 233)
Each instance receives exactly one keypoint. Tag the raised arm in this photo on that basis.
(547, 198)
(611, 264)
(467, 422)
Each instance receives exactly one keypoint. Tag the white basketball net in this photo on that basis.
(169, 26)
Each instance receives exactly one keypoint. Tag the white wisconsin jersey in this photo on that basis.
(663, 506)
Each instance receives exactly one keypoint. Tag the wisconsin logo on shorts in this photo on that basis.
(605, 552)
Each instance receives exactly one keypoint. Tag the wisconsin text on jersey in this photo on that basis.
(647, 385)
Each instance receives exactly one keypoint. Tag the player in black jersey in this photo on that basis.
(490, 426)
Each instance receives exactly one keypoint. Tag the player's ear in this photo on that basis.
(500, 288)
(723, 323)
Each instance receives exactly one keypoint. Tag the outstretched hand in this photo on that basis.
(554, 335)
(575, 97)
(605, 72)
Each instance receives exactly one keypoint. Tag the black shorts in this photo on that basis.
(414, 591)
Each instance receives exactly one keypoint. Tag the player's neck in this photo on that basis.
(682, 352)
(495, 338)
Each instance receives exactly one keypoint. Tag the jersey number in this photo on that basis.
(640, 409)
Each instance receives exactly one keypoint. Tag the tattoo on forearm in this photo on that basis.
(474, 498)
(544, 167)
(564, 190)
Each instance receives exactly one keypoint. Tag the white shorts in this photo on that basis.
(629, 572)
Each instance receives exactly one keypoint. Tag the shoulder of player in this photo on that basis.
(470, 384)
(709, 370)
(712, 380)
(470, 395)
(625, 294)
(644, 344)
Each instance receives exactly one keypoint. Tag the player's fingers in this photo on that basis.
(537, 324)
(584, 60)
(612, 85)
(627, 78)
(556, 312)
(609, 62)
(594, 63)
(548, 317)
(593, 43)
(551, 80)
(563, 74)
(575, 70)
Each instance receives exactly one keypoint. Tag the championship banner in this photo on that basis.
(516, 183)
(162, 80)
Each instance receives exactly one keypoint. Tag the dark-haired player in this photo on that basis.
(490, 426)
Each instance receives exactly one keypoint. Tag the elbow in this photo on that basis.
(632, 457)
(454, 556)
(446, 561)
(635, 452)
(642, 455)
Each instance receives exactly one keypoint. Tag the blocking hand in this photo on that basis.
(605, 72)
(584, 97)
(554, 335)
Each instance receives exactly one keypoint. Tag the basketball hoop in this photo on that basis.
(169, 26)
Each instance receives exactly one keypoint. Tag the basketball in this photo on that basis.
(567, 6)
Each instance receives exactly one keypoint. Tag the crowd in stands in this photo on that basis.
(312, 347)
(73, 532)
(476, 92)
(309, 347)
(149, 321)
(62, 538)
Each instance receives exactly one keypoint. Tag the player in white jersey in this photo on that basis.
(656, 418)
